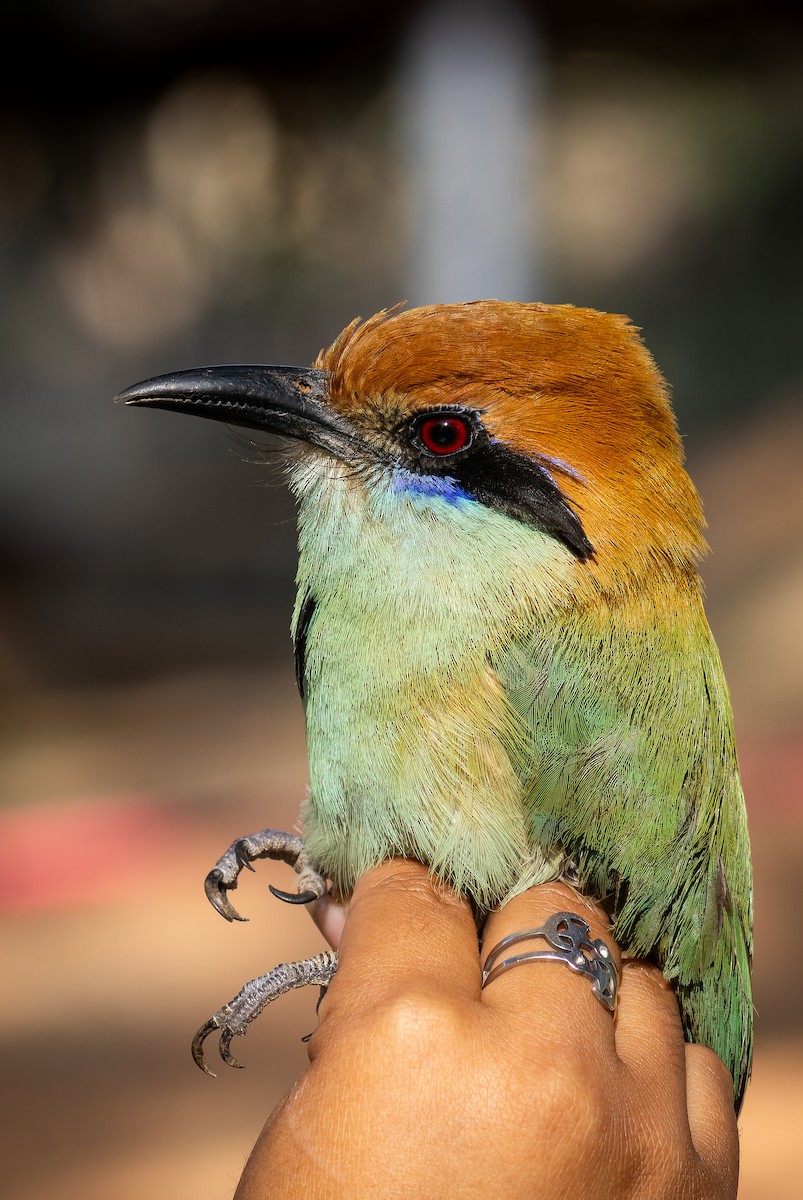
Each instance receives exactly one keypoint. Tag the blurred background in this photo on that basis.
(185, 183)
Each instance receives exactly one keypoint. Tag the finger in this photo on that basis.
(564, 999)
(330, 917)
(712, 1119)
(649, 1034)
(405, 929)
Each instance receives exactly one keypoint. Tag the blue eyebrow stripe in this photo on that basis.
(560, 465)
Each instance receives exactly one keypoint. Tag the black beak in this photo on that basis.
(289, 401)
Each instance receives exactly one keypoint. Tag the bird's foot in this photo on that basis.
(268, 843)
(234, 1018)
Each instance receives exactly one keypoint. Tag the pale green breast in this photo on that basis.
(414, 748)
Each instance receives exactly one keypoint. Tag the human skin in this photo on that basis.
(421, 1084)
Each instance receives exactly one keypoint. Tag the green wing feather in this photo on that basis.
(631, 768)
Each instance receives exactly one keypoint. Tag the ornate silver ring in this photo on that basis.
(571, 943)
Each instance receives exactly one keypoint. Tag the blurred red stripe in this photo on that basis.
(77, 852)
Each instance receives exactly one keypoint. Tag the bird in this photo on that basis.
(500, 640)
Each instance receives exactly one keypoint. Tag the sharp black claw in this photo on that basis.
(216, 895)
(198, 1045)
(241, 856)
(225, 1052)
(292, 897)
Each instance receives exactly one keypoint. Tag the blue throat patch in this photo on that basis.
(410, 483)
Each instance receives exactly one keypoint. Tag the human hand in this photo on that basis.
(422, 1085)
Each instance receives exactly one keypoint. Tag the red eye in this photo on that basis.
(444, 434)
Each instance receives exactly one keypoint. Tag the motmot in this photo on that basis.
(500, 641)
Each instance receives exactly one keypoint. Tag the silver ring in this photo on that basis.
(571, 942)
